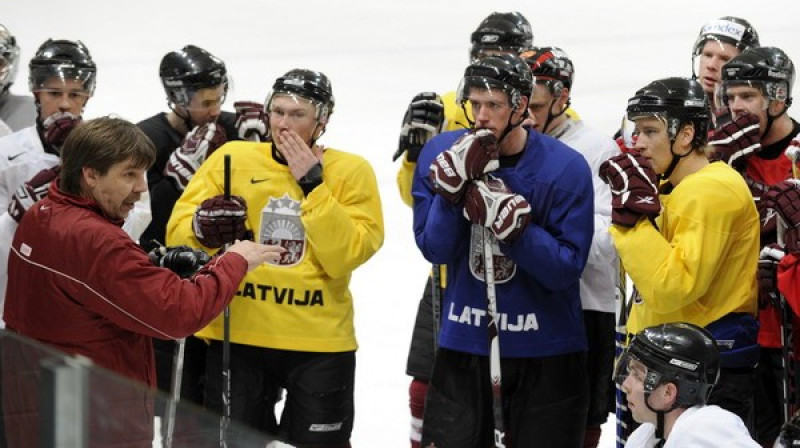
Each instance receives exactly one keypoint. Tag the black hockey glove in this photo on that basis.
(182, 260)
(423, 120)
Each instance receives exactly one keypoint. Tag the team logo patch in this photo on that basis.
(504, 267)
(281, 225)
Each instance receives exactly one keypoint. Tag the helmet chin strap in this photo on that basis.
(675, 159)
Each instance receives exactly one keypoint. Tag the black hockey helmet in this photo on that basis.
(678, 101)
(64, 59)
(312, 85)
(503, 32)
(9, 58)
(790, 432)
(551, 66)
(506, 72)
(679, 353)
(188, 70)
(768, 68)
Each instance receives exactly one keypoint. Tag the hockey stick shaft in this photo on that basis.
(494, 343)
(621, 335)
(175, 390)
(226, 329)
(436, 302)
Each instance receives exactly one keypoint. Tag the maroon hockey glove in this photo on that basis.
(784, 198)
(251, 122)
(736, 140)
(58, 126)
(768, 261)
(31, 192)
(182, 260)
(491, 204)
(423, 120)
(220, 221)
(198, 144)
(634, 191)
(471, 156)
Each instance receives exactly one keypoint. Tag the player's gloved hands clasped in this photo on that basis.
(768, 261)
(251, 121)
(31, 192)
(218, 221)
(471, 156)
(423, 120)
(58, 126)
(784, 198)
(182, 260)
(634, 191)
(198, 144)
(734, 141)
(491, 204)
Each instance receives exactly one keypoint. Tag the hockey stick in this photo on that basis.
(436, 302)
(226, 331)
(494, 342)
(175, 389)
(786, 315)
(621, 335)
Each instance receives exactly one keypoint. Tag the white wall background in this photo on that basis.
(378, 54)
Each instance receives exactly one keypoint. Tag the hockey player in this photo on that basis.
(61, 291)
(757, 88)
(691, 249)
(668, 372)
(16, 111)
(718, 42)
(62, 79)
(291, 325)
(196, 84)
(428, 115)
(554, 74)
(537, 209)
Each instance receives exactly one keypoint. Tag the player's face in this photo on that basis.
(117, 190)
(712, 57)
(491, 110)
(292, 113)
(206, 105)
(633, 386)
(652, 141)
(61, 95)
(747, 99)
(540, 106)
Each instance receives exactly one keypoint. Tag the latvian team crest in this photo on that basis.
(281, 225)
(504, 267)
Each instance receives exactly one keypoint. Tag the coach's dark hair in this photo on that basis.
(99, 144)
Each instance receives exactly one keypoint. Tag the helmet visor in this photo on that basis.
(45, 77)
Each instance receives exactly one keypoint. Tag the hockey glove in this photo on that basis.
(182, 260)
(220, 221)
(491, 204)
(784, 198)
(31, 192)
(471, 156)
(423, 120)
(58, 126)
(634, 191)
(251, 122)
(768, 261)
(736, 140)
(198, 144)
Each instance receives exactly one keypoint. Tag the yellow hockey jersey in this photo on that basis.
(702, 263)
(302, 303)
